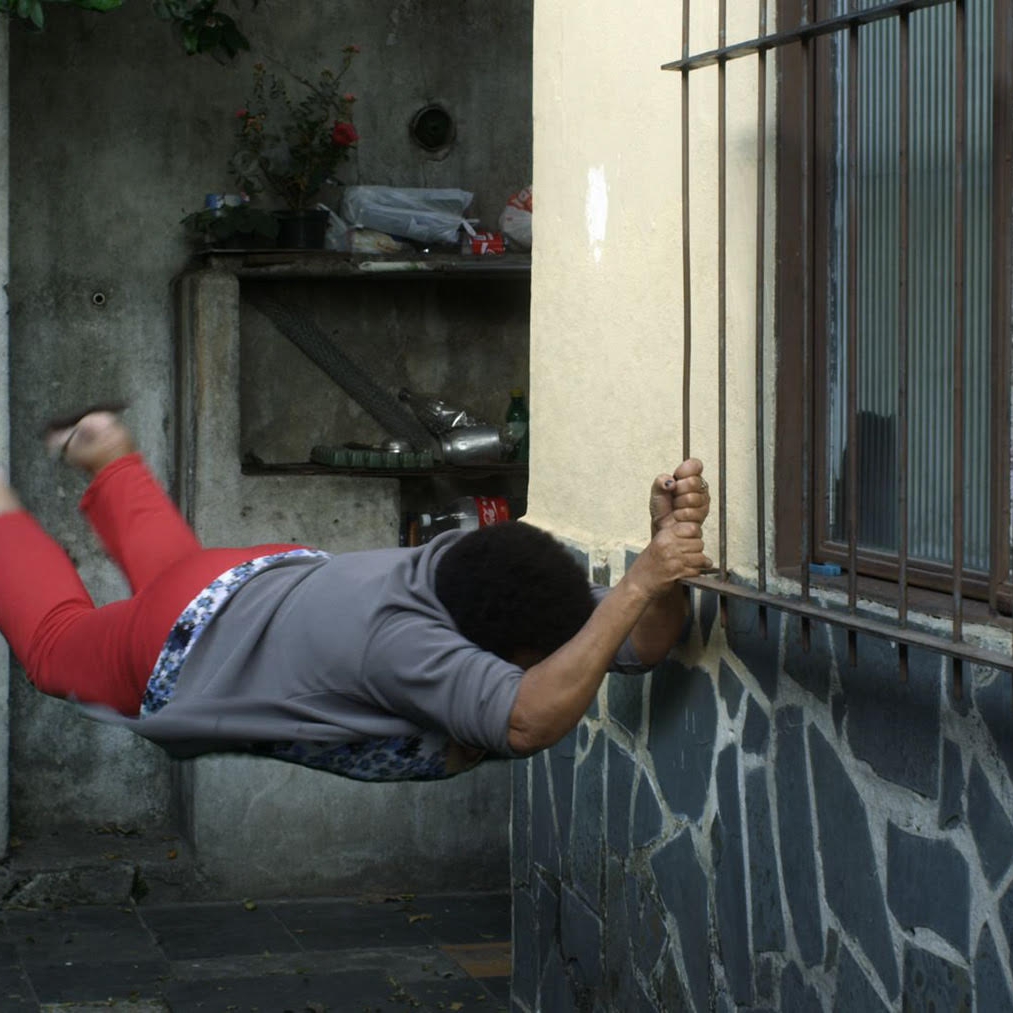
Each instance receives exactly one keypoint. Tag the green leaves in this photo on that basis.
(203, 28)
(98, 5)
(32, 10)
(221, 224)
(28, 9)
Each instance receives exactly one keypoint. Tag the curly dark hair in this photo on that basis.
(512, 588)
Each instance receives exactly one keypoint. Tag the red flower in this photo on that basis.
(343, 134)
(241, 114)
(348, 97)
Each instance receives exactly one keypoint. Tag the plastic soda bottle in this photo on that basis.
(517, 425)
(467, 513)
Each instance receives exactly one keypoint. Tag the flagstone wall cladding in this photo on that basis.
(759, 827)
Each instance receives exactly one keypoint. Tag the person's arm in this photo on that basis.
(555, 693)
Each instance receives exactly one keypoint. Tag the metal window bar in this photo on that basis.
(687, 287)
(903, 127)
(959, 226)
(804, 34)
(808, 51)
(722, 307)
(852, 334)
(760, 290)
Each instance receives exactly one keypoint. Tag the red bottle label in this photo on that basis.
(491, 510)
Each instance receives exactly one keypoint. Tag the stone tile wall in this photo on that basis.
(758, 827)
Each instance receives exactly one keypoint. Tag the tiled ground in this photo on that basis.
(426, 954)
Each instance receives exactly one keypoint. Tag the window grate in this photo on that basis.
(800, 483)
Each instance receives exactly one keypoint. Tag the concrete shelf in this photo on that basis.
(436, 471)
(291, 265)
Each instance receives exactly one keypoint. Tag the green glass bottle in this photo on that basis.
(517, 425)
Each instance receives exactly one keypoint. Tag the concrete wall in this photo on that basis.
(118, 135)
(4, 409)
(751, 826)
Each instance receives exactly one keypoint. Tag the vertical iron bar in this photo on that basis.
(761, 251)
(687, 315)
(959, 152)
(807, 336)
(902, 329)
(999, 458)
(722, 296)
(852, 335)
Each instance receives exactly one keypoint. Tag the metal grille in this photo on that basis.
(891, 242)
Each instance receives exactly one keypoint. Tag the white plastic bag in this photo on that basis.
(515, 221)
(424, 215)
(336, 237)
(377, 243)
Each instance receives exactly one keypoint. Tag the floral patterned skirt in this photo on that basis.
(426, 756)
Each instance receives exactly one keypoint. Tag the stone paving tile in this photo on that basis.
(80, 935)
(464, 919)
(455, 993)
(342, 992)
(499, 989)
(341, 924)
(16, 993)
(126, 1006)
(423, 954)
(481, 960)
(94, 982)
(216, 930)
(408, 963)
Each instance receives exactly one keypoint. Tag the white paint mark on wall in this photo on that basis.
(596, 209)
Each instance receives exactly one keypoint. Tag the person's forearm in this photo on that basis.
(659, 628)
(555, 693)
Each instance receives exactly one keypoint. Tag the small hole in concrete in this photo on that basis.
(432, 128)
(98, 298)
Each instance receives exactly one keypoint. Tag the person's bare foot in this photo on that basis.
(95, 440)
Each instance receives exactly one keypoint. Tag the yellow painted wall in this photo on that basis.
(607, 302)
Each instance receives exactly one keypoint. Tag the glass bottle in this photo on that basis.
(517, 425)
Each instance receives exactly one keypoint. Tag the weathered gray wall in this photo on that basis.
(115, 134)
(4, 410)
(754, 826)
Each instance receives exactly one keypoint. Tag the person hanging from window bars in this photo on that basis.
(387, 664)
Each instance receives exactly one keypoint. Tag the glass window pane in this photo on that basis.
(930, 286)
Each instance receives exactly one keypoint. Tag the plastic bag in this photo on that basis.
(376, 243)
(424, 215)
(515, 221)
(336, 237)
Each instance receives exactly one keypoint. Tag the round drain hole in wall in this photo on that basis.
(432, 128)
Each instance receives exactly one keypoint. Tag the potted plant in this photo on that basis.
(290, 147)
(228, 221)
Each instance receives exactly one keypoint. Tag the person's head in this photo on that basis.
(514, 590)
